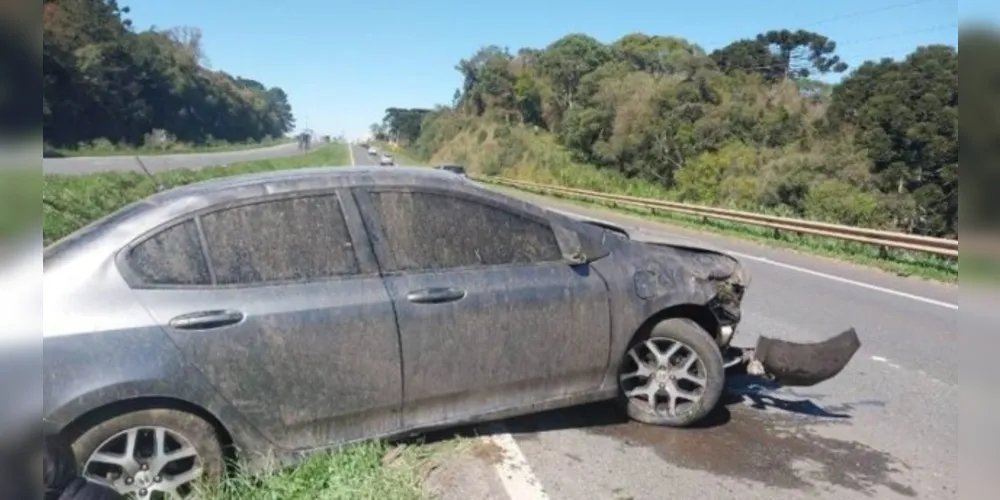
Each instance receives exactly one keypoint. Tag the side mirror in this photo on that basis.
(577, 246)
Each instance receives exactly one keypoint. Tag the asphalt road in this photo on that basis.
(887, 427)
(157, 163)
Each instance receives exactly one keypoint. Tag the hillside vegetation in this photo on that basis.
(108, 86)
(747, 126)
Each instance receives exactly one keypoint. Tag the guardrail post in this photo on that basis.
(883, 252)
(776, 233)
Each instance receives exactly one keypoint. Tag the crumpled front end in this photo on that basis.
(728, 301)
(723, 280)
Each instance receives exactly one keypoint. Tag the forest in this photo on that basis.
(105, 81)
(750, 126)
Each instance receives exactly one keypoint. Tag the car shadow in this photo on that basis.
(742, 391)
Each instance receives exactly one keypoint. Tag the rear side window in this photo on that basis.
(283, 240)
(171, 257)
(430, 231)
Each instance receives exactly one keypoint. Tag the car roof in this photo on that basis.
(324, 177)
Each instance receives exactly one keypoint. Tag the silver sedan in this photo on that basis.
(279, 313)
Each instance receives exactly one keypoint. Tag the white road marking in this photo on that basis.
(831, 277)
(922, 373)
(861, 284)
(350, 151)
(513, 469)
(880, 359)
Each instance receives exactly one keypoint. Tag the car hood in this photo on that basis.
(641, 235)
(702, 259)
(654, 238)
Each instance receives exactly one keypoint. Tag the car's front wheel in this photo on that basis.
(673, 376)
(151, 454)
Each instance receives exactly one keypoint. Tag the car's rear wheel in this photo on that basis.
(673, 376)
(151, 454)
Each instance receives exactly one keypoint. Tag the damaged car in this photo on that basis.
(284, 312)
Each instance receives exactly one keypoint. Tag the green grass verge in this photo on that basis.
(898, 262)
(106, 148)
(370, 470)
(73, 201)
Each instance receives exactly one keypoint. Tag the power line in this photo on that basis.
(899, 35)
(876, 10)
(849, 15)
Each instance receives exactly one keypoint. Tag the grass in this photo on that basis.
(107, 148)
(73, 201)
(369, 470)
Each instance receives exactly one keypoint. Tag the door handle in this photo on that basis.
(435, 295)
(206, 320)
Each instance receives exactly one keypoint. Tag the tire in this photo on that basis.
(694, 339)
(198, 433)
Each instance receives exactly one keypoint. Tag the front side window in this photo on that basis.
(283, 240)
(171, 257)
(428, 231)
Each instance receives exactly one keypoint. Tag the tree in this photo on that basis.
(906, 114)
(101, 80)
(747, 127)
(803, 53)
(403, 124)
(750, 56)
(781, 54)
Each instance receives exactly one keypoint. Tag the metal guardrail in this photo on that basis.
(885, 239)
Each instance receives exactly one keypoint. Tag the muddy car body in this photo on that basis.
(290, 311)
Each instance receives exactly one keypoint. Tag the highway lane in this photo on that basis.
(886, 427)
(158, 163)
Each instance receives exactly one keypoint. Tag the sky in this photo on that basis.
(343, 63)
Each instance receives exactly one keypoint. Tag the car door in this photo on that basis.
(491, 317)
(290, 320)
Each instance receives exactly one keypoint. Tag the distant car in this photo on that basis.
(283, 312)
(455, 169)
(372, 151)
(386, 161)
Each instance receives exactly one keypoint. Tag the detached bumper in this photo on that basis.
(793, 364)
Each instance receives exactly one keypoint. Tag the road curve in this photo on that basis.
(885, 428)
(158, 163)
